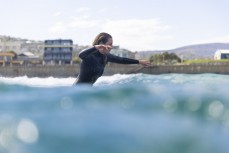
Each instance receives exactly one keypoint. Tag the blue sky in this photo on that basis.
(134, 24)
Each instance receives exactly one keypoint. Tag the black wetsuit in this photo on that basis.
(93, 64)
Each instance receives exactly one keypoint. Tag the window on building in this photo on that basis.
(66, 50)
(48, 49)
(227, 56)
(66, 42)
(124, 55)
(56, 50)
(68, 58)
(54, 57)
(48, 42)
(62, 57)
(224, 56)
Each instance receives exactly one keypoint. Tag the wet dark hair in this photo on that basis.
(101, 38)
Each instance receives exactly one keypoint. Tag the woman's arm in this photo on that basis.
(84, 53)
(123, 60)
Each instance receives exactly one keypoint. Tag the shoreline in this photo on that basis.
(62, 71)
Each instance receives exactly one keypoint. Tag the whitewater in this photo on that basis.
(134, 113)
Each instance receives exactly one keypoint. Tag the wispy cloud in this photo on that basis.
(138, 34)
(83, 9)
(83, 22)
(57, 14)
(58, 28)
(133, 34)
(103, 10)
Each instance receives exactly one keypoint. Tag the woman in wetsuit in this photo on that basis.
(95, 58)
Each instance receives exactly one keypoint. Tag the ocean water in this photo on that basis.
(136, 113)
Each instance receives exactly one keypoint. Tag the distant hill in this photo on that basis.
(200, 51)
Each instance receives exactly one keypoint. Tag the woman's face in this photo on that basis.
(110, 43)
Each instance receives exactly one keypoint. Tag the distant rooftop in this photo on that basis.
(223, 51)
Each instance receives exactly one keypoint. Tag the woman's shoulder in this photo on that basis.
(86, 52)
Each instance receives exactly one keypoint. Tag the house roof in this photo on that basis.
(224, 51)
(28, 54)
(7, 54)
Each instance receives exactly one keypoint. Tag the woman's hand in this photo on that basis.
(103, 49)
(144, 63)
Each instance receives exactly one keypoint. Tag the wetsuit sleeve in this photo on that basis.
(121, 60)
(84, 53)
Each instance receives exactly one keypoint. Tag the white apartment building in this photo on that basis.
(122, 52)
(6, 46)
(221, 54)
(20, 46)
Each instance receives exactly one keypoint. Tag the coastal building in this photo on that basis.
(6, 58)
(12, 58)
(116, 50)
(28, 58)
(145, 54)
(34, 47)
(58, 51)
(6, 46)
(221, 54)
(19, 45)
(9, 58)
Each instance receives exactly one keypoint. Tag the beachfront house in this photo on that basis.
(28, 58)
(221, 54)
(6, 46)
(6, 58)
(58, 51)
(19, 45)
(116, 50)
